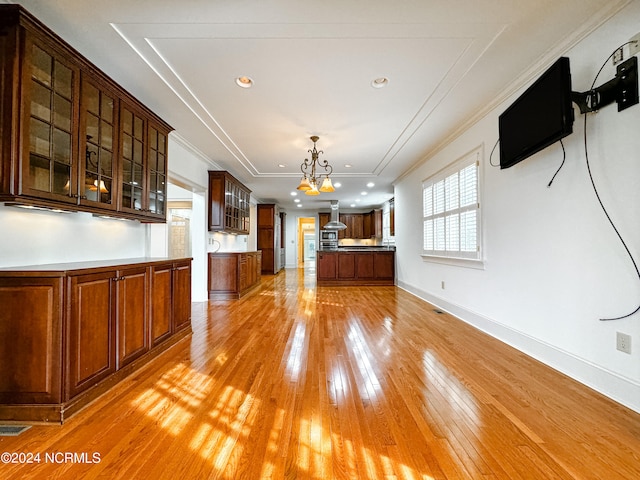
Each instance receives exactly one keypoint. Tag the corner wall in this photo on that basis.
(553, 265)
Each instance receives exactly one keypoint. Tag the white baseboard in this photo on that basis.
(620, 389)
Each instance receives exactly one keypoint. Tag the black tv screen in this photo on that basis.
(542, 115)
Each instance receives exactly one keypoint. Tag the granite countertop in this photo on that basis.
(365, 248)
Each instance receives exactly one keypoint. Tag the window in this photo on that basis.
(451, 210)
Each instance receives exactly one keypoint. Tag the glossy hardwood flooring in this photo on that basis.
(294, 381)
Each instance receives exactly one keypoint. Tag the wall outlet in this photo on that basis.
(634, 44)
(623, 342)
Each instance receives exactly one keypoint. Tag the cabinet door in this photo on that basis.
(326, 266)
(161, 307)
(243, 272)
(384, 265)
(132, 157)
(133, 336)
(357, 226)
(30, 340)
(346, 266)
(367, 225)
(98, 131)
(49, 159)
(90, 336)
(377, 223)
(181, 295)
(345, 233)
(364, 265)
(156, 198)
(323, 219)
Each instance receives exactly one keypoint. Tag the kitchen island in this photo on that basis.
(352, 266)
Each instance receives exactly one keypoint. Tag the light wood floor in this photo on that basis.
(295, 381)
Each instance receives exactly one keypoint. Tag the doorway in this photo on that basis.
(307, 242)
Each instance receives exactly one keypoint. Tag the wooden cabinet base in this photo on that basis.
(355, 268)
(233, 274)
(90, 326)
(58, 413)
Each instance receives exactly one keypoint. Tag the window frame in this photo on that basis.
(442, 212)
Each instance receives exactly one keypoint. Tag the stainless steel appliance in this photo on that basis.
(328, 239)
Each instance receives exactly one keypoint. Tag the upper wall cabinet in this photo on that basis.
(70, 137)
(229, 204)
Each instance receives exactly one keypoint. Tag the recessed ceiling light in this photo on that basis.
(297, 200)
(337, 184)
(281, 165)
(364, 193)
(353, 205)
(299, 205)
(347, 165)
(244, 82)
(357, 199)
(371, 184)
(294, 194)
(379, 82)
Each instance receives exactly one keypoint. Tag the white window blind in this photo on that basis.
(451, 210)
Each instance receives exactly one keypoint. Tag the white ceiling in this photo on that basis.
(447, 61)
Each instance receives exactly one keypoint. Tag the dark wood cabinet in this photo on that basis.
(160, 304)
(170, 300)
(364, 265)
(132, 288)
(377, 223)
(233, 274)
(323, 219)
(99, 131)
(270, 237)
(229, 204)
(352, 267)
(90, 334)
(326, 266)
(49, 108)
(31, 326)
(77, 329)
(346, 266)
(384, 266)
(181, 295)
(72, 138)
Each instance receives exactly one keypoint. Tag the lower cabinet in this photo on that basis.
(32, 318)
(90, 332)
(233, 274)
(161, 310)
(78, 329)
(181, 295)
(132, 314)
(372, 267)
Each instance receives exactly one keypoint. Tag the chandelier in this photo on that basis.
(310, 179)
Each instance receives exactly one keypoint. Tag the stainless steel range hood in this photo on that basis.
(334, 222)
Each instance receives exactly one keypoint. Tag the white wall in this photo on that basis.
(553, 266)
(31, 237)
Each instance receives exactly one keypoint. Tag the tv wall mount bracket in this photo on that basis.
(622, 89)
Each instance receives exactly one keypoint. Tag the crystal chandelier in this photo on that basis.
(310, 179)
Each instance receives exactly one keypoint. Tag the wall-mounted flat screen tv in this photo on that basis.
(542, 115)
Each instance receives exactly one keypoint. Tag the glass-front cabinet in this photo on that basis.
(72, 138)
(50, 164)
(157, 161)
(229, 204)
(133, 144)
(144, 165)
(99, 120)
